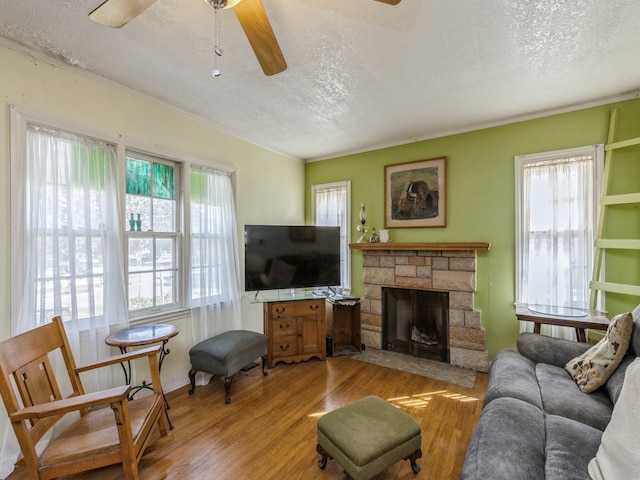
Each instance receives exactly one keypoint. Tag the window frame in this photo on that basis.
(346, 238)
(177, 236)
(597, 152)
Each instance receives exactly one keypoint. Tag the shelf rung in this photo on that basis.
(626, 198)
(622, 144)
(616, 288)
(622, 244)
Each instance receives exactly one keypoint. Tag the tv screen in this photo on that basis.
(282, 256)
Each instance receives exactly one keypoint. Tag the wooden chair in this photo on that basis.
(101, 436)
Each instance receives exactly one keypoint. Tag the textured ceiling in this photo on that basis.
(361, 74)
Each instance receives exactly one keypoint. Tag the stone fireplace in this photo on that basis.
(442, 267)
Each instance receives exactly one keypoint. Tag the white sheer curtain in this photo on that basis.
(67, 256)
(555, 232)
(331, 207)
(215, 266)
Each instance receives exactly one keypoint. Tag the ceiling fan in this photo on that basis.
(250, 13)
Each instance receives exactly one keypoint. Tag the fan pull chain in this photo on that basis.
(217, 50)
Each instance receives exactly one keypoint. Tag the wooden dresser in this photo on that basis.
(296, 330)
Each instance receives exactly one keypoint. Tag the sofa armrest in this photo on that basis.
(554, 351)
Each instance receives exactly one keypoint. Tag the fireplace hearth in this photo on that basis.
(441, 267)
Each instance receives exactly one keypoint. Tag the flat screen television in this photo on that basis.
(286, 257)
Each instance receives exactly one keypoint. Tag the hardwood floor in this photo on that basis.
(268, 431)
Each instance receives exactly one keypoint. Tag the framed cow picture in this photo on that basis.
(415, 194)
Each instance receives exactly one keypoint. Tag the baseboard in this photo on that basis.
(174, 383)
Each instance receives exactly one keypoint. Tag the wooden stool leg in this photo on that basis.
(227, 389)
(322, 463)
(192, 377)
(412, 458)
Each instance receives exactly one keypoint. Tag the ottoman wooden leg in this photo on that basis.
(227, 389)
(322, 463)
(192, 377)
(412, 458)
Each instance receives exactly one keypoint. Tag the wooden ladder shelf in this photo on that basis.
(608, 199)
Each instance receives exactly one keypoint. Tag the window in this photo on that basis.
(153, 236)
(105, 230)
(65, 218)
(213, 234)
(215, 270)
(331, 204)
(556, 199)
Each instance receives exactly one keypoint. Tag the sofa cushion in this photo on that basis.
(512, 375)
(561, 396)
(569, 447)
(592, 369)
(619, 453)
(544, 349)
(508, 443)
(613, 385)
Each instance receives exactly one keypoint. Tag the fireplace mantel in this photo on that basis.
(432, 246)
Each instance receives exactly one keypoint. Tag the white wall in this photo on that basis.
(270, 186)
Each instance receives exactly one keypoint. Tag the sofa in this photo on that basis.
(537, 423)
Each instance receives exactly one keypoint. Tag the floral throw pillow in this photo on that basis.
(591, 369)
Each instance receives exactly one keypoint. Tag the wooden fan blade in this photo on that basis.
(258, 30)
(116, 13)
(390, 2)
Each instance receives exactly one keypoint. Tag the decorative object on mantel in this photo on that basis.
(434, 246)
(374, 236)
(384, 236)
(415, 194)
(362, 228)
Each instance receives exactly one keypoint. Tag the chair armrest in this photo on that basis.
(544, 349)
(123, 357)
(72, 404)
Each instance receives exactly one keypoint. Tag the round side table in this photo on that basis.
(141, 335)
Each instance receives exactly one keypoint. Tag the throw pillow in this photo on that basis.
(591, 369)
(618, 456)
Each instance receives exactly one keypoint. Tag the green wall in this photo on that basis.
(481, 198)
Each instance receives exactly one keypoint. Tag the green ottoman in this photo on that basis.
(226, 354)
(367, 437)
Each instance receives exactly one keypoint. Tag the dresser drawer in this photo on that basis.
(290, 309)
(285, 346)
(284, 327)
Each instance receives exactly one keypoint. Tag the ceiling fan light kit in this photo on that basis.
(223, 3)
(250, 13)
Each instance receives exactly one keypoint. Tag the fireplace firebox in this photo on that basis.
(415, 322)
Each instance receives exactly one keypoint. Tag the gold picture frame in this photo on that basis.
(415, 194)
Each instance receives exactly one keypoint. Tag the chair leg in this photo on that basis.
(227, 389)
(192, 377)
(264, 365)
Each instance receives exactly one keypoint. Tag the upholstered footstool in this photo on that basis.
(226, 354)
(367, 437)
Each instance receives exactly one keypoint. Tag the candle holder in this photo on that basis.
(362, 228)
